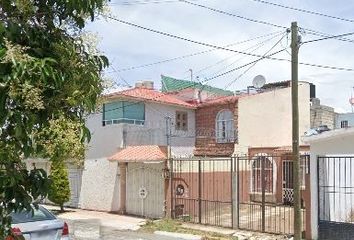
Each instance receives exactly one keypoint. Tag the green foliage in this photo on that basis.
(59, 190)
(49, 79)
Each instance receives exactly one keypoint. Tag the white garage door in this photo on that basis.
(75, 176)
(145, 190)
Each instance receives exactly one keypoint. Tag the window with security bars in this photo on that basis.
(344, 124)
(225, 130)
(181, 121)
(257, 175)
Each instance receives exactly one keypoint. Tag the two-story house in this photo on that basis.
(344, 120)
(129, 147)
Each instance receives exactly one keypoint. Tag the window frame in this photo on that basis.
(344, 124)
(180, 119)
(272, 170)
(123, 119)
(223, 134)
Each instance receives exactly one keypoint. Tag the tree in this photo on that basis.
(49, 80)
(59, 190)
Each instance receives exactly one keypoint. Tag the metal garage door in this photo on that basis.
(145, 190)
(75, 176)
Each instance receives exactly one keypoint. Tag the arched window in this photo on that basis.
(269, 174)
(224, 129)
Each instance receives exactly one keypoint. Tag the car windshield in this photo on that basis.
(40, 214)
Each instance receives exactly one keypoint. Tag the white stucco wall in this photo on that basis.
(332, 143)
(105, 140)
(100, 184)
(265, 120)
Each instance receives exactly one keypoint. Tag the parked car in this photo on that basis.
(39, 225)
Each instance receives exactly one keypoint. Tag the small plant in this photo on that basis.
(59, 190)
(351, 216)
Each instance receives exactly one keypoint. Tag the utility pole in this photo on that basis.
(169, 157)
(295, 44)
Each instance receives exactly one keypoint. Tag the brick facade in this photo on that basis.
(206, 144)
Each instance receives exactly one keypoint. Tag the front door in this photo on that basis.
(145, 190)
(288, 189)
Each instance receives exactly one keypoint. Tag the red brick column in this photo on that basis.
(306, 194)
(123, 187)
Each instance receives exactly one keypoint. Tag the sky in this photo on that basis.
(127, 46)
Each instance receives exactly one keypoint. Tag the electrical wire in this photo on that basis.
(194, 54)
(330, 37)
(250, 67)
(237, 60)
(310, 31)
(223, 48)
(305, 11)
(202, 82)
(254, 47)
(143, 2)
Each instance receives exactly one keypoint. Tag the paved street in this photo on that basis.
(108, 233)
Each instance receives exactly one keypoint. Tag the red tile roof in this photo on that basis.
(219, 101)
(151, 95)
(141, 154)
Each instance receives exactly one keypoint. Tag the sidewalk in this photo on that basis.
(118, 222)
(85, 224)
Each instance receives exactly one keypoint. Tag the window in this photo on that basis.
(256, 183)
(225, 131)
(344, 124)
(123, 112)
(181, 121)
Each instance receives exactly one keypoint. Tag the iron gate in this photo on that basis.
(202, 190)
(336, 197)
(239, 192)
(261, 204)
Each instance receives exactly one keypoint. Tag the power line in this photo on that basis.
(305, 11)
(193, 54)
(235, 15)
(244, 72)
(223, 48)
(202, 82)
(237, 60)
(330, 37)
(310, 31)
(254, 47)
(143, 2)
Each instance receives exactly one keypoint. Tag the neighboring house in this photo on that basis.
(265, 133)
(344, 120)
(133, 125)
(321, 114)
(74, 175)
(332, 195)
(191, 91)
(216, 125)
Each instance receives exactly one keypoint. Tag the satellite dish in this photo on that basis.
(259, 81)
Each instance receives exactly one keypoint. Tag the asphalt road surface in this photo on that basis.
(84, 230)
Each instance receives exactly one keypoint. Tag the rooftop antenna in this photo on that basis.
(351, 101)
(191, 70)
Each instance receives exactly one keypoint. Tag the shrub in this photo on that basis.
(59, 190)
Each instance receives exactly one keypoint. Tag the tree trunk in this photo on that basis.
(61, 207)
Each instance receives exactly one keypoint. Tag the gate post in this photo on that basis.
(123, 186)
(199, 191)
(234, 192)
(263, 192)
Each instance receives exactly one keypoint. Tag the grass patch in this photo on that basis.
(169, 225)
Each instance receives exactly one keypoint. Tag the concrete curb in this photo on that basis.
(179, 235)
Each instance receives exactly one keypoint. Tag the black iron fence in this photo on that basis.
(265, 192)
(248, 192)
(203, 190)
(336, 197)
